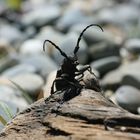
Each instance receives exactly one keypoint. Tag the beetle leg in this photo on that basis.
(53, 84)
(65, 81)
(52, 87)
(84, 68)
(80, 78)
(90, 70)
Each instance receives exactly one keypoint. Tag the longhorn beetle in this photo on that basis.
(66, 75)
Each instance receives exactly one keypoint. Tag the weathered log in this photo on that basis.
(88, 115)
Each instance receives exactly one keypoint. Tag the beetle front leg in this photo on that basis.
(83, 69)
(88, 67)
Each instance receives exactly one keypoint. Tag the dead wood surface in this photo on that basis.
(84, 117)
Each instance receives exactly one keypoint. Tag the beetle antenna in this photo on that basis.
(80, 36)
(62, 53)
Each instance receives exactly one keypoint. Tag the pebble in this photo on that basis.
(30, 83)
(131, 74)
(47, 32)
(18, 69)
(138, 110)
(102, 50)
(6, 62)
(133, 45)
(126, 74)
(123, 13)
(60, 2)
(68, 45)
(71, 17)
(98, 5)
(128, 97)
(10, 33)
(132, 79)
(31, 46)
(112, 79)
(105, 65)
(42, 63)
(12, 95)
(42, 15)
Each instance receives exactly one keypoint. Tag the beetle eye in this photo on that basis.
(76, 63)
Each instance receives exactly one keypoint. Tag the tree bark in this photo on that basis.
(85, 116)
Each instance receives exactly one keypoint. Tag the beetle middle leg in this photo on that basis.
(57, 80)
(62, 83)
(82, 70)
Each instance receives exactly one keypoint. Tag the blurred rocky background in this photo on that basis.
(27, 72)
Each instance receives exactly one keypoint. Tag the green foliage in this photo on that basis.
(14, 4)
(7, 111)
(3, 121)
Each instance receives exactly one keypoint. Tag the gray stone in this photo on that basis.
(19, 69)
(31, 46)
(106, 64)
(103, 49)
(42, 63)
(132, 79)
(131, 74)
(60, 2)
(71, 17)
(125, 54)
(6, 62)
(29, 32)
(101, 4)
(68, 44)
(128, 97)
(30, 83)
(138, 110)
(48, 32)
(9, 93)
(42, 15)
(133, 45)
(112, 79)
(123, 13)
(10, 33)
(135, 2)
(126, 74)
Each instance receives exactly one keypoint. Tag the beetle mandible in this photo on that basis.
(66, 75)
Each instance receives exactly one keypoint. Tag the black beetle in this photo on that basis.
(66, 76)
